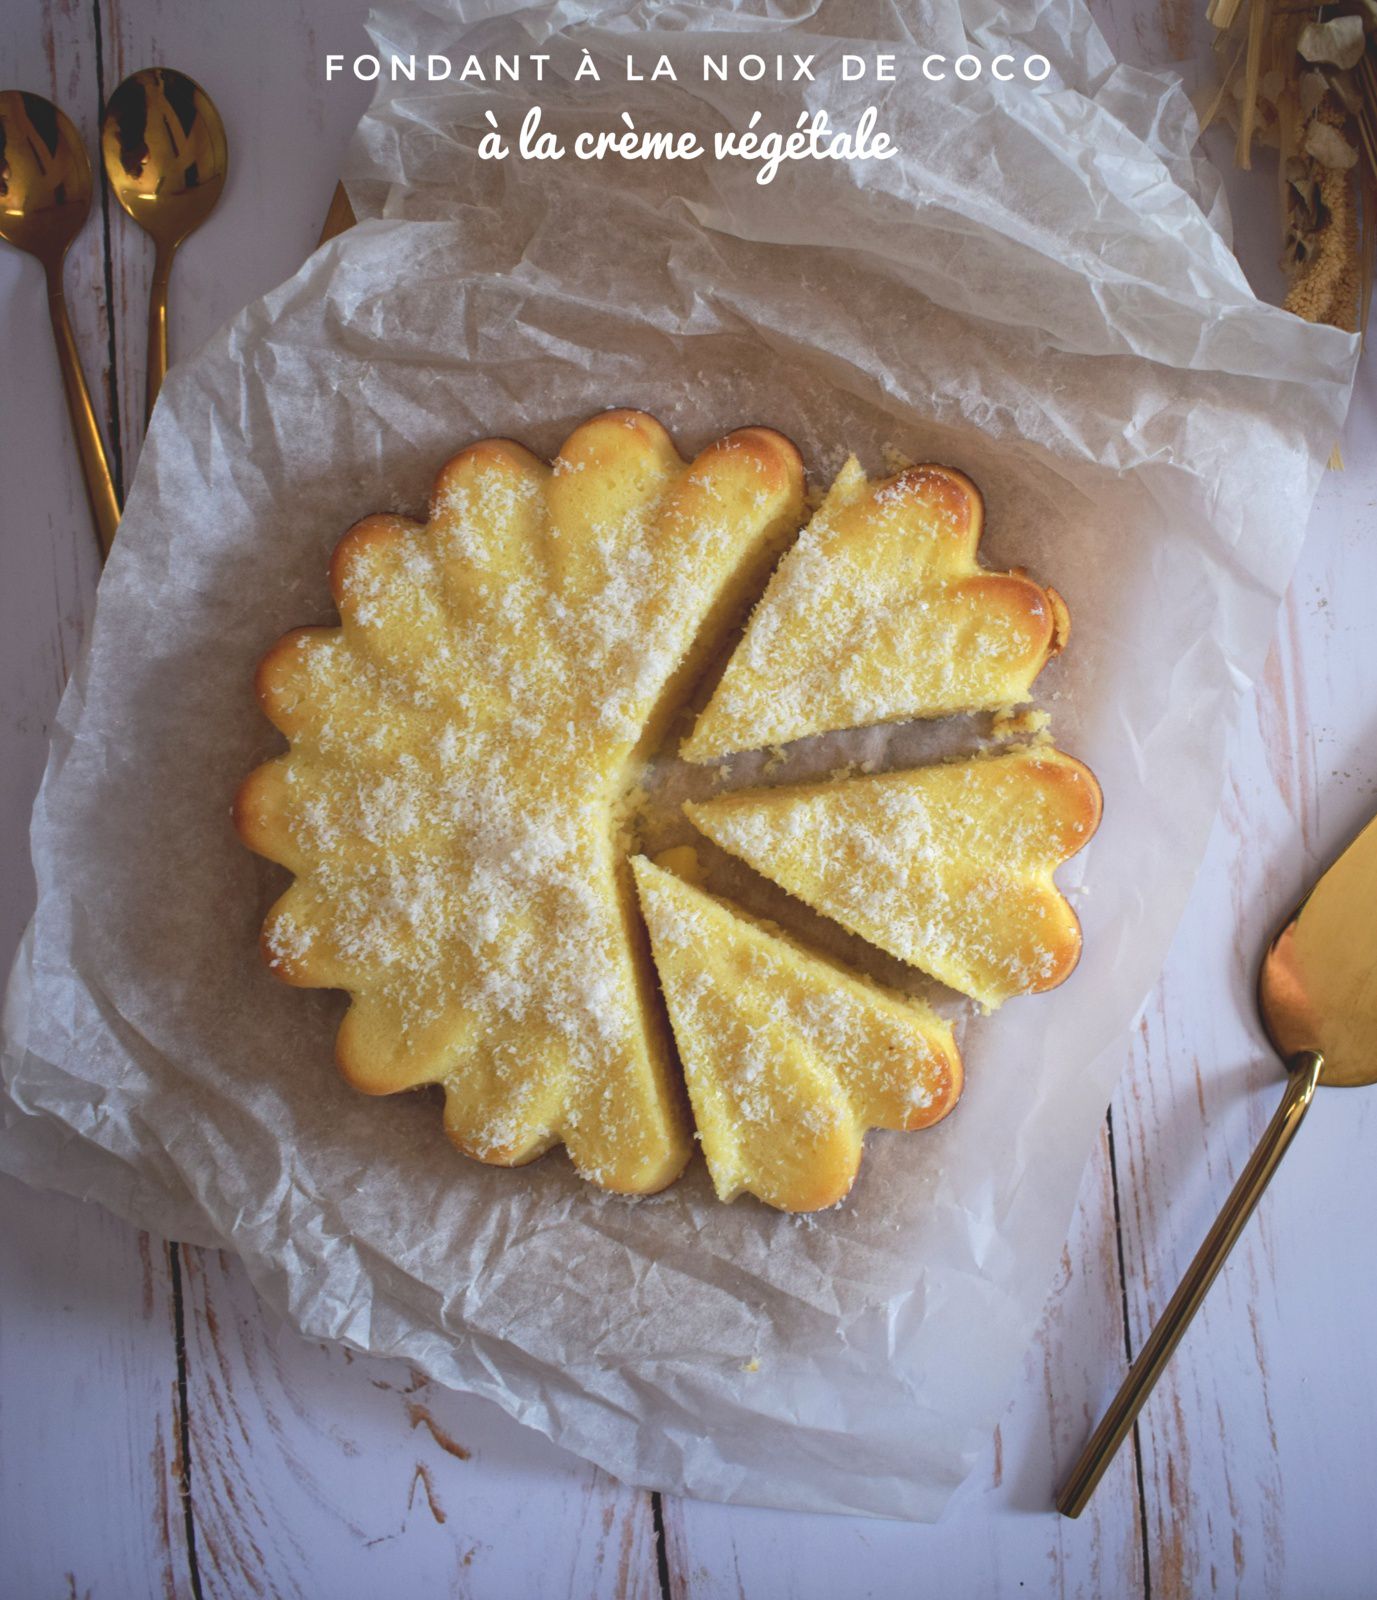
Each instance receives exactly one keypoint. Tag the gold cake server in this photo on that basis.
(1317, 994)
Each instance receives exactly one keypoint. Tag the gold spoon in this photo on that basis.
(45, 195)
(1317, 993)
(165, 155)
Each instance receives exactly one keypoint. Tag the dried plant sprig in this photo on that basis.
(1303, 80)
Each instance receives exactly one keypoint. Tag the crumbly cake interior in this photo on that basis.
(460, 745)
(788, 1057)
(948, 867)
(881, 611)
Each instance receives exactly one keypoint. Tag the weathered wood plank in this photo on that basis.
(1262, 1441)
(1259, 1443)
(316, 1472)
(89, 1500)
(89, 1436)
(48, 556)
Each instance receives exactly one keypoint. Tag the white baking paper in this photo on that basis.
(1038, 289)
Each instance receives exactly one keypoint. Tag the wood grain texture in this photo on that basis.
(323, 1473)
(89, 1436)
(313, 1473)
(1268, 1416)
(49, 561)
(88, 1370)
(1258, 1439)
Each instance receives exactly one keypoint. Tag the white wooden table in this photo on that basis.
(162, 1434)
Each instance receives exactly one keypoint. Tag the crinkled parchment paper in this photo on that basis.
(1039, 290)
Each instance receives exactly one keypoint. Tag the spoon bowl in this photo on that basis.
(45, 178)
(166, 158)
(164, 149)
(45, 197)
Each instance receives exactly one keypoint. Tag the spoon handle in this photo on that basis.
(156, 370)
(95, 464)
(1304, 1073)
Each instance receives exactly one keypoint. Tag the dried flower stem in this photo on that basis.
(1303, 79)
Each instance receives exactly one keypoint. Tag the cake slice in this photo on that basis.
(947, 867)
(881, 611)
(788, 1057)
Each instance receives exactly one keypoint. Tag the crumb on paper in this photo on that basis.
(1032, 723)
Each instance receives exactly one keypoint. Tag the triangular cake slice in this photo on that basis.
(788, 1057)
(881, 611)
(947, 867)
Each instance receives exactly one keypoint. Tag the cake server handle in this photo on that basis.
(1303, 1074)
